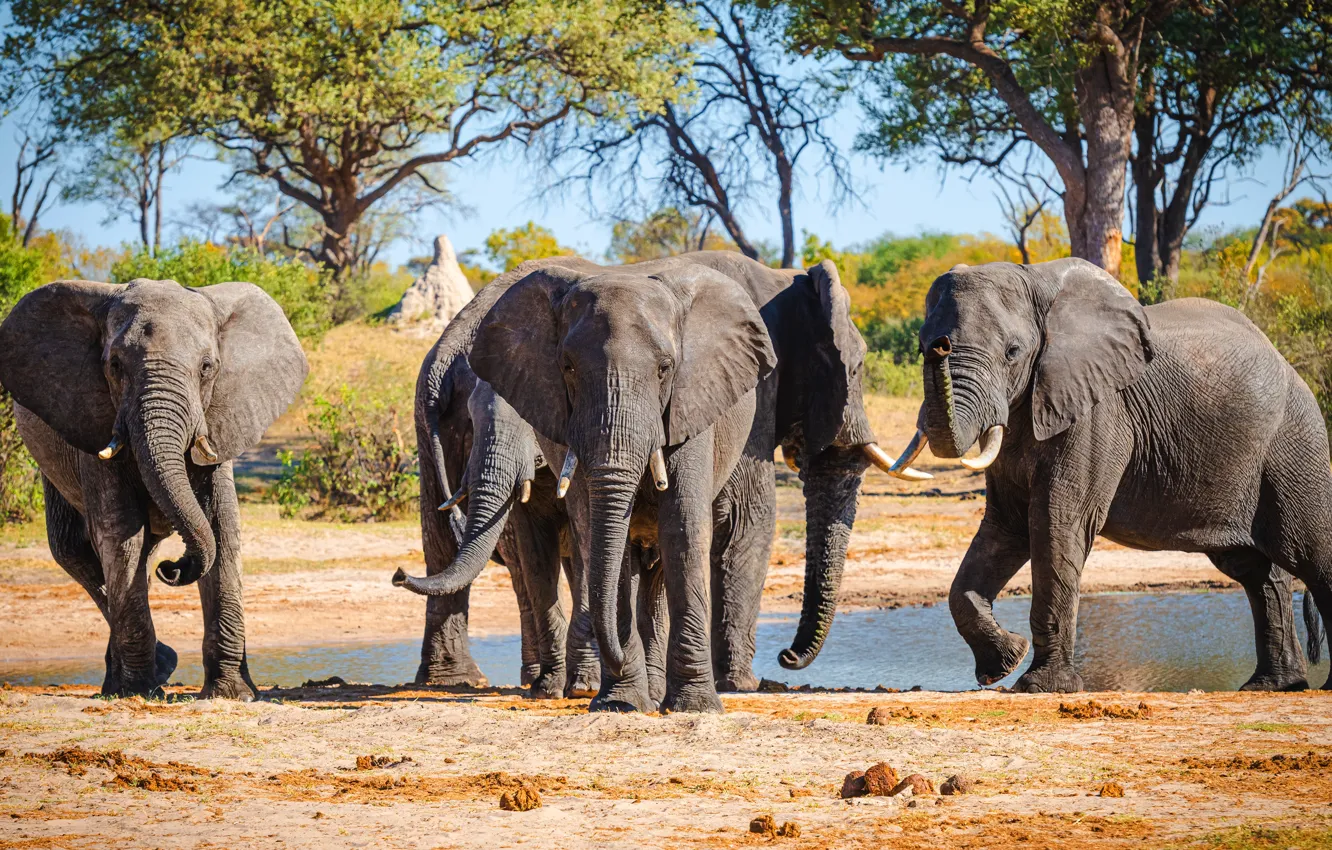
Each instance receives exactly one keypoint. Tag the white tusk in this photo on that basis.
(990, 443)
(658, 467)
(112, 449)
(789, 455)
(455, 498)
(901, 468)
(205, 450)
(885, 461)
(526, 492)
(566, 474)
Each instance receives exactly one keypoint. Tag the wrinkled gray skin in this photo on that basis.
(615, 364)
(465, 431)
(1174, 427)
(154, 366)
(812, 406)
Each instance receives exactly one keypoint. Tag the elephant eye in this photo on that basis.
(1013, 351)
(115, 366)
(664, 366)
(207, 366)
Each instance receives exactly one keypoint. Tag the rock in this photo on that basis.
(880, 779)
(768, 686)
(1111, 789)
(521, 799)
(956, 784)
(913, 804)
(436, 296)
(853, 785)
(918, 784)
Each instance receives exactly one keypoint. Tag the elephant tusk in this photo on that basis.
(205, 450)
(566, 474)
(525, 492)
(789, 455)
(901, 468)
(112, 449)
(885, 461)
(457, 497)
(990, 443)
(658, 466)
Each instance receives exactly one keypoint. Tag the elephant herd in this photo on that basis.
(618, 425)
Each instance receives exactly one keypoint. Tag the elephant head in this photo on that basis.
(500, 469)
(184, 378)
(824, 433)
(616, 365)
(1061, 335)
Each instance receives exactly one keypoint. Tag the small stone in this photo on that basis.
(853, 785)
(319, 816)
(880, 779)
(911, 805)
(956, 784)
(768, 686)
(449, 760)
(1111, 789)
(764, 825)
(521, 799)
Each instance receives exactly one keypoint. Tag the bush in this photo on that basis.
(883, 376)
(301, 292)
(358, 467)
(21, 271)
(897, 338)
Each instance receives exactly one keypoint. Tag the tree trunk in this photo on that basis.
(1145, 180)
(157, 198)
(1095, 210)
(786, 181)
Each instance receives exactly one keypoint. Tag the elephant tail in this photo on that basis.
(1313, 624)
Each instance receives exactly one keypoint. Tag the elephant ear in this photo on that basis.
(842, 352)
(51, 360)
(516, 346)
(1097, 342)
(262, 366)
(725, 352)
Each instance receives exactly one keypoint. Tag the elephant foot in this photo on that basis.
(737, 682)
(1050, 678)
(530, 673)
(165, 663)
(1270, 681)
(584, 683)
(549, 685)
(702, 700)
(622, 697)
(994, 662)
(229, 686)
(452, 674)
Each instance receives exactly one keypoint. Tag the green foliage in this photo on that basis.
(509, 249)
(1300, 326)
(884, 376)
(301, 291)
(20, 482)
(664, 233)
(889, 254)
(358, 466)
(897, 339)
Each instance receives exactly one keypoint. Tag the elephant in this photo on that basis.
(1174, 427)
(473, 445)
(134, 400)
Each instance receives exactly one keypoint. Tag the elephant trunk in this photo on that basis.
(163, 431)
(610, 501)
(939, 410)
(832, 487)
(494, 481)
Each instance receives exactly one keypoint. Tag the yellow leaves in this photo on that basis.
(531, 241)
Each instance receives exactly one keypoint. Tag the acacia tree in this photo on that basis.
(1217, 85)
(339, 103)
(750, 121)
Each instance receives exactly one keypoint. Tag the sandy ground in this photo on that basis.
(319, 582)
(1201, 770)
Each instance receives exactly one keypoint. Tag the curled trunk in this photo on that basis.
(162, 435)
(832, 487)
(610, 500)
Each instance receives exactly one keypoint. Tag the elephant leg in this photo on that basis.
(741, 547)
(446, 658)
(993, 558)
(1281, 665)
(537, 542)
(528, 655)
(583, 658)
(685, 536)
(629, 692)
(653, 623)
(226, 669)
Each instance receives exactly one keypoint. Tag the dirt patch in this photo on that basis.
(373, 762)
(1092, 709)
(1266, 764)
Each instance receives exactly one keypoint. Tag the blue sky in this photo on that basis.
(502, 190)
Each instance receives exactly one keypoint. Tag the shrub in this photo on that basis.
(302, 292)
(897, 338)
(883, 376)
(358, 466)
(21, 271)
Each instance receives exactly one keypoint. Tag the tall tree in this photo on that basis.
(752, 118)
(341, 102)
(128, 176)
